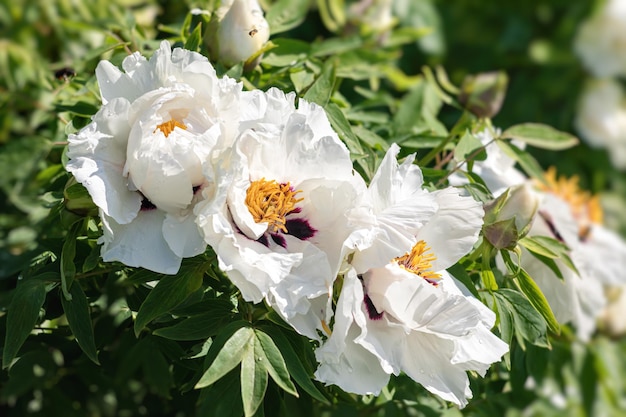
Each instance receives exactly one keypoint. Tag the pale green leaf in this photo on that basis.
(274, 362)
(541, 136)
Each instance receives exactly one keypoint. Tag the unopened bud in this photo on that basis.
(241, 33)
(483, 94)
(509, 217)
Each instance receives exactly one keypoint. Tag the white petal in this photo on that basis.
(453, 230)
(139, 243)
(182, 235)
(605, 252)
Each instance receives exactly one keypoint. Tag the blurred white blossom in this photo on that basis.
(601, 40)
(601, 118)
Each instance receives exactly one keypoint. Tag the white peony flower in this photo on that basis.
(601, 118)
(276, 217)
(242, 31)
(141, 156)
(601, 40)
(407, 314)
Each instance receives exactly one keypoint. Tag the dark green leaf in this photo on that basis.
(79, 319)
(295, 366)
(170, 291)
(68, 269)
(194, 328)
(541, 136)
(22, 316)
(80, 108)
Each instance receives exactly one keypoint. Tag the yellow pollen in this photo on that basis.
(585, 207)
(419, 261)
(269, 202)
(169, 126)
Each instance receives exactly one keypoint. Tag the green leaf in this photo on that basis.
(80, 108)
(286, 53)
(229, 356)
(417, 112)
(79, 319)
(537, 299)
(68, 269)
(550, 248)
(322, 88)
(526, 161)
(194, 40)
(295, 365)
(286, 14)
(535, 245)
(22, 316)
(194, 328)
(528, 323)
(469, 148)
(541, 136)
(170, 291)
(223, 398)
(274, 362)
(253, 377)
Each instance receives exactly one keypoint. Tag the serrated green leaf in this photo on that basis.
(79, 319)
(537, 299)
(541, 136)
(22, 316)
(274, 362)
(229, 356)
(170, 291)
(253, 377)
(286, 14)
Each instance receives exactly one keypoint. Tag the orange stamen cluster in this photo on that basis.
(169, 126)
(419, 261)
(269, 202)
(585, 207)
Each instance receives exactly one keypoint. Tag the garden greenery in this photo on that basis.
(277, 208)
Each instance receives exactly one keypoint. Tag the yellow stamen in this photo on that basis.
(419, 261)
(269, 202)
(169, 126)
(585, 207)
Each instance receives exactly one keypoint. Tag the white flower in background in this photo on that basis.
(612, 317)
(241, 31)
(141, 156)
(574, 218)
(374, 15)
(498, 169)
(601, 40)
(601, 118)
(406, 313)
(276, 217)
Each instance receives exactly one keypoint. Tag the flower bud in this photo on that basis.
(483, 94)
(509, 217)
(241, 32)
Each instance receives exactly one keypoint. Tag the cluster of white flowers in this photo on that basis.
(573, 217)
(177, 159)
